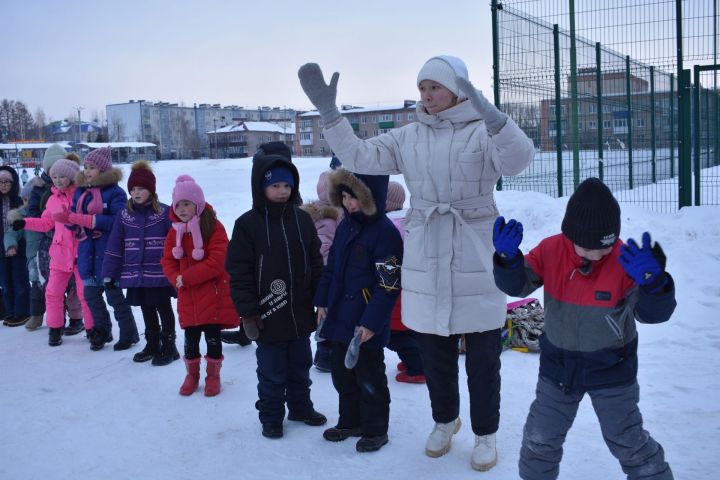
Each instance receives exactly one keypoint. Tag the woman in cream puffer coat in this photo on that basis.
(451, 159)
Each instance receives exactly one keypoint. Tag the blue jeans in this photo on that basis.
(15, 286)
(283, 371)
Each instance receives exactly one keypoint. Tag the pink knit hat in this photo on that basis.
(187, 189)
(65, 168)
(322, 187)
(100, 159)
(395, 197)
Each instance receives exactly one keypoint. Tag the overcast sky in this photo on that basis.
(58, 55)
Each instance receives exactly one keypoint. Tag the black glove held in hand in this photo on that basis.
(18, 224)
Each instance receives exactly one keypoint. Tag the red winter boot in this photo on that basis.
(193, 376)
(212, 381)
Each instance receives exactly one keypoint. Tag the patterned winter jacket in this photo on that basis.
(361, 280)
(135, 247)
(590, 339)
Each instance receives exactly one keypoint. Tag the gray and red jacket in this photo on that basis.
(590, 339)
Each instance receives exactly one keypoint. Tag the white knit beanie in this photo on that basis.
(444, 69)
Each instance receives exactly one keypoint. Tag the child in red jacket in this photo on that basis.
(194, 261)
(403, 341)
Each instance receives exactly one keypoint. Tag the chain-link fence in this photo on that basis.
(599, 109)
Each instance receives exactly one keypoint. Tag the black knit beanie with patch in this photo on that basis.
(592, 217)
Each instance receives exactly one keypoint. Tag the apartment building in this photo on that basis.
(180, 131)
(243, 139)
(366, 122)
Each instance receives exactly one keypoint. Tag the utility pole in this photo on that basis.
(79, 130)
(215, 135)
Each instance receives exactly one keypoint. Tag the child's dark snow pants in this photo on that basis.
(552, 414)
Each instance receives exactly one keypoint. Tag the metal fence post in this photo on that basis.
(496, 66)
(598, 82)
(653, 144)
(684, 141)
(558, 111)
(698, 132)
(574, 99)
(628, 99)
(672, 126)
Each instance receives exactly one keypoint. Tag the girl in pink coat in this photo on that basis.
(63, 251)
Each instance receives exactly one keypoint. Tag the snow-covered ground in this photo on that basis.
(70, 413)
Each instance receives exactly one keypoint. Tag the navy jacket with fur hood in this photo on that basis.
(274, 260)
(361, 280)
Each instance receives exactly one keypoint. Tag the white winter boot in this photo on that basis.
(438, 443)
(484, 455)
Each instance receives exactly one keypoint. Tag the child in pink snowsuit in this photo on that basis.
(63, 251)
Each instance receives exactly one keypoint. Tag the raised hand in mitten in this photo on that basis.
(646, 264)
(61, 216)
(494, 119)
(507, 237)
(322, 95)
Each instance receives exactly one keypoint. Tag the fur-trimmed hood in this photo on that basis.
(319, 212)
(370, 190)
(109, 177)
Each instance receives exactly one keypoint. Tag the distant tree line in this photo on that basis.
(17, 123)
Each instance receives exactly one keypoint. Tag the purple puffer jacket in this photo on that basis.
(135, 247)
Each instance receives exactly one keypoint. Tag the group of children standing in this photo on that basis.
(276, 272)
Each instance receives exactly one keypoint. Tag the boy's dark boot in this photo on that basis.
(75, 326)
(55, 336)
(192, 379)
(212, 380)
(13, 321)
(314, 419)
(338, 434)
(272, 430)
(371, 444)
(167, 352)
(236, 337)
(152, 347)
(100, 338)
(34, 323)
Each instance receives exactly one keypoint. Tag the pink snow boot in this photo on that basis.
(212, 381)
(192, 378)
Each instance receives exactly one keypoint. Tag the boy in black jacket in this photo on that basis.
(275, 265)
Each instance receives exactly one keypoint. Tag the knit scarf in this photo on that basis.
(5, 211)
(181, 228)
(95, 207)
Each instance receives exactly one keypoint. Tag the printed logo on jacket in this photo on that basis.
(275, 300)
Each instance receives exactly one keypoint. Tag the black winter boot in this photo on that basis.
(99, 338)
(235, 337)
(55, 338)
(152, 347)
(75, 326)
(168, 352)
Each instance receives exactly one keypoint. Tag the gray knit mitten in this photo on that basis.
(494, 119)
(353, 352)
(322, 95)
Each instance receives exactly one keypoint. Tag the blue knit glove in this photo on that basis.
(507, 238)
(645, 265)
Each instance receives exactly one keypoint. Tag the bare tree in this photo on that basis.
(40, 124)
(7, 129)
(23, 120)
(116, 128)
